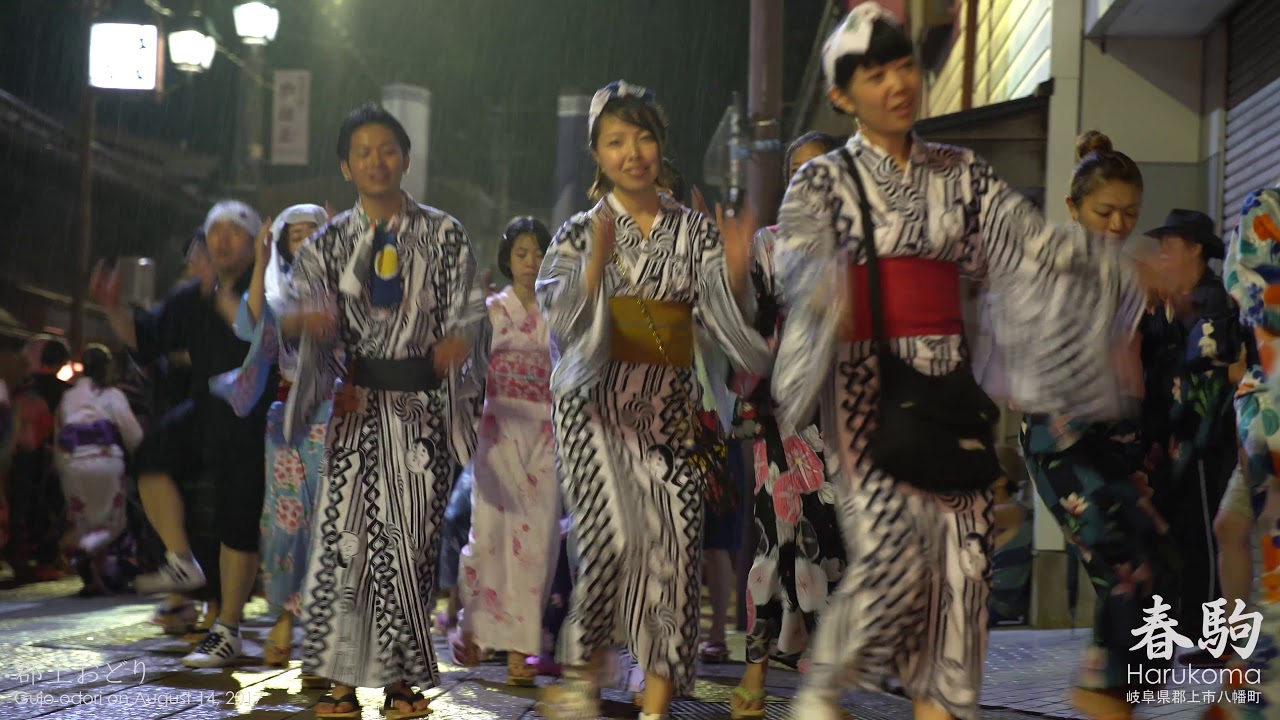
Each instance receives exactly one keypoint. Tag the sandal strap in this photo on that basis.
(391, 698)
(749, 695)
(348, 698)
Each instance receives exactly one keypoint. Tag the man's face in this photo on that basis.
(375, 163)
(230, 246)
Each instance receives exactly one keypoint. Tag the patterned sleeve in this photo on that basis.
(717, 310)
(807, 269)
(579, 324)
(319, 363)
(1050, 286)
(1252, 266)
(243, 387)
(467, 317)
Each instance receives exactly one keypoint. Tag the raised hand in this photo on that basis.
(604, 232)
(736, 232)
(104, 286)
(699, 202)
(262, 246)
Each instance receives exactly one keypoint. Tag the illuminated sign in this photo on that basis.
(124, 57)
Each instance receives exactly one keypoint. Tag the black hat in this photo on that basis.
(1196, 227)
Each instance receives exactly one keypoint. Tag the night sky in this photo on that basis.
(474, 56)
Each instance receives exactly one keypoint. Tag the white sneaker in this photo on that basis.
(176, 575)
(218, 649)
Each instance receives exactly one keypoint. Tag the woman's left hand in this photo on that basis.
(736, 232)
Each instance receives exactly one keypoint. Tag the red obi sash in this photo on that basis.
(918, 297)
(282, 391)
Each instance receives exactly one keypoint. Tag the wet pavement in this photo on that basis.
(65, 657)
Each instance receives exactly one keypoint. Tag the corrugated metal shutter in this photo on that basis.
(1253, 105)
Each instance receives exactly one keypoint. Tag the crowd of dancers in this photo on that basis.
(588, 401)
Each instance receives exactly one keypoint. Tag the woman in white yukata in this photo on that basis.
(621, 286)
(507, 567)
(912, 602)
(96, 428)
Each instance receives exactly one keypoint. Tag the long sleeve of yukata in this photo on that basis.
(1064, 303)
(579, 323)
(243, 387)
(1252, 266)
(1050, 285)
(727, 323)
(467, 318)
(807, 268)
(320, 362)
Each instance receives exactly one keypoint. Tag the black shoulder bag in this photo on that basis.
(936, 432)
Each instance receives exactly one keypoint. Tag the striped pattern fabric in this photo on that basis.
(912, 603)
(389, 466)
(635, 498)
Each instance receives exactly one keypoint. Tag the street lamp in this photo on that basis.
(256, 22)
(193, 45)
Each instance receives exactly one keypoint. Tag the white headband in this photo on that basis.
(235, 212)
(615, 89)
(852, 36)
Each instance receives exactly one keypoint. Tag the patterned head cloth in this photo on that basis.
(275, 279)
(615, 89)
(235, 212)
(852, 36)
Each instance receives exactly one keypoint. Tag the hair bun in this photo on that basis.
(1091, 142)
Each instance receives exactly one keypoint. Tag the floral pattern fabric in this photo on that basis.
(508, 564)
(1252, 277)
(800, 554)
(1103, 500)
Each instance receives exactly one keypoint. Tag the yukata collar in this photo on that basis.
(356, 273)
(859, 145)
(666, 204)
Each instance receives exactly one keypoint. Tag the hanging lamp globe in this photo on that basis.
(193, 44)
(256, 22)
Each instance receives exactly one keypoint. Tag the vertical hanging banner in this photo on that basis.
(411, 105)
(290, 115)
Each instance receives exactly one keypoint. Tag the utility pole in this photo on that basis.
(764, 108)
(84, 216)
(764, 193)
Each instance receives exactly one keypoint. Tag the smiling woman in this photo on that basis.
(861, 229)
(620, 287)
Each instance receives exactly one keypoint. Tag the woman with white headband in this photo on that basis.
(886, 226)
(292, 464)
(621, 285)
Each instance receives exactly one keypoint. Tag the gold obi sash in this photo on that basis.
(631, 339)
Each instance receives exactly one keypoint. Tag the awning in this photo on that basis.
(1154, 18)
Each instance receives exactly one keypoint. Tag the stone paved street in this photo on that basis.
(56, 649)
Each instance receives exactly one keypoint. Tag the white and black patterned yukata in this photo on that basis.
(912, 603)
(389, 467)
(637, 505)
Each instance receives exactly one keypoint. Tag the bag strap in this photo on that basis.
(868, 247)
